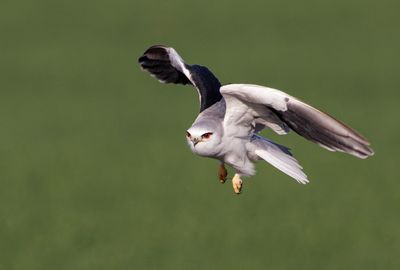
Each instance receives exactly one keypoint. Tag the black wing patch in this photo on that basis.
(167, 66)
(156, 61)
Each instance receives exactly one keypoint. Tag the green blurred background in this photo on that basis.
(94, 169)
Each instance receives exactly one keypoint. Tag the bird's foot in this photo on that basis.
(237, 184)
(222, 173)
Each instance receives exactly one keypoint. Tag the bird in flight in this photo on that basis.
(231, 117)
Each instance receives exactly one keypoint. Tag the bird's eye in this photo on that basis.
(188, 134)
(206, 135)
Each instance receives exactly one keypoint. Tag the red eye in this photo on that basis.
(206, 135)
(188, 134)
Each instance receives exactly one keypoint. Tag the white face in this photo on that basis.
(203, 142)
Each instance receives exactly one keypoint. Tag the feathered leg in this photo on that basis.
(222, 173)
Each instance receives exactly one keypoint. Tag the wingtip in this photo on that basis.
(362, 151)
(155, 52)
(370, 153)
(156, 46)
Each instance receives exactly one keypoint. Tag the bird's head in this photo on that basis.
(203, 140)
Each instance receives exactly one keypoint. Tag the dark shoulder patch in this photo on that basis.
(207, 84)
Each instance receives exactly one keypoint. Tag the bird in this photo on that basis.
(232, 116)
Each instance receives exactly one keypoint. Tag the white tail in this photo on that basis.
(279, 157)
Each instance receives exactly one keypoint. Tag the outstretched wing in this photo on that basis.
(248, 104)
(167, 66)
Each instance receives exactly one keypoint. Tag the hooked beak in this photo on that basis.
(195, 141)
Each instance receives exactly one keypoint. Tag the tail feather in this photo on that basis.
(280, 157)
